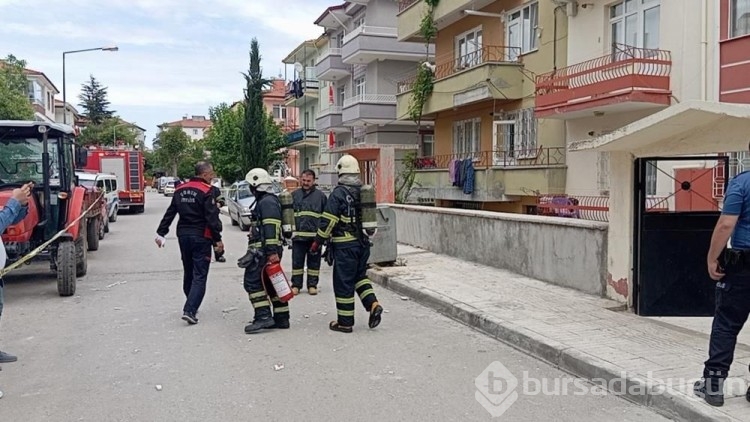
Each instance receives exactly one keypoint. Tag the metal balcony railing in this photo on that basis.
(532, 157)
(370, 99)
(448, 65)
(625, 69)
(405, 4)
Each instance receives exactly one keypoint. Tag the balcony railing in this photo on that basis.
(301, 135)
(329, 110)
(370, 99)
(405, 4)
(625, 69)
(326, 52)
(451, 65)
(380, 31)
(533, 157)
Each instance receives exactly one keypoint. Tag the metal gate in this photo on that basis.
(676, 208)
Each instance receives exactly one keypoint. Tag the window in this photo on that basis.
(359, 86)
(35, 92)
(359, 21)
(469, 48)
(358, 134)
(740, 17)
(195, 131)
(337, 41)
(279, 111)
(651, 171)
(466, 137)
(634, 23)
(518, 133)
(100, 185)
(428, 145)
(342, 95)
(521, 29)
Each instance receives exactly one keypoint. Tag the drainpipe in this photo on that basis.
(554, 37)
(704, 49)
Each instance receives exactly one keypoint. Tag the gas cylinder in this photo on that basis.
(279, 281)
(287, 214)
(369, 208)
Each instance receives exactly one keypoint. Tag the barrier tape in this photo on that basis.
(44, 245)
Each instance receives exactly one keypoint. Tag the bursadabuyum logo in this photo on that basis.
(496, 389)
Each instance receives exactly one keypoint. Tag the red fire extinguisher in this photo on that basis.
(279, 281)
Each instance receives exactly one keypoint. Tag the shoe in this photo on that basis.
(258, 325)
(312, 290)
(713, 398)
(7, 358)
(335, 326)
(295, 290)
(375, 315)
(191, 319)
(221, 259)
(282, 324)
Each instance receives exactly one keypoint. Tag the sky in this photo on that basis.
(175, 57)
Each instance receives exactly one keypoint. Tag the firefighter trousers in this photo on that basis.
(300, 253)
(262, 294)
(350, 276)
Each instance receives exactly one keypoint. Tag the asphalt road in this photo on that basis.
(118, 351)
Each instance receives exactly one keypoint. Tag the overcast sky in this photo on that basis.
(176, 56)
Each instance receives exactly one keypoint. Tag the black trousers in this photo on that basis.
(732, 310)
(349, 276)
(196, 260)
(262, 294)
(300, 253)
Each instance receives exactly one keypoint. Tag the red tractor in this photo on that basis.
(46, 154)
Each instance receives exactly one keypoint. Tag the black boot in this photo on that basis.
(711, 390)
(259, 324)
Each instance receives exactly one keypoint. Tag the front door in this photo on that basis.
(676, 209)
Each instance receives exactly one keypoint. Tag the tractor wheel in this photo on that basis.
(66, 268)
(82, 256)
(106, 227)
(92, 234)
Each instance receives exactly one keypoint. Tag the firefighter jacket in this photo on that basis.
(341, 217)
(308, 206)
(265, 231)
(218, 197)
(196, 205)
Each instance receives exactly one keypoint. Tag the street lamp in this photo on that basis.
(65, 103)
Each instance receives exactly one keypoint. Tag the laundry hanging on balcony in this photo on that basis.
(330, 94)
(331, 140)
(468, 184)
(297, 88)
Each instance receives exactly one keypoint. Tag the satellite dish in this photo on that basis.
(298, 67)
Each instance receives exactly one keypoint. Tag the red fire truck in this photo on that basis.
(126, 163)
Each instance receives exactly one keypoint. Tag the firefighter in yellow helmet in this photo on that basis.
(264, 247)
(341, 222)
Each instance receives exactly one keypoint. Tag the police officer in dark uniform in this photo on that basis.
(341, 221)
(264, 247)
(730, 268)
(220, 202)
(198, 229)
(309, 203)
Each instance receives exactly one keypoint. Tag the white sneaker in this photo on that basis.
(1, 394)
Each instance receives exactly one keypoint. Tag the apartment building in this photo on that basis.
(68, 113)
(42, 95)
(303, 93)
(360, 65)
(482, 104)
(194, 126)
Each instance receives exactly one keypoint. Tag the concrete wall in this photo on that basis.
(566, 252)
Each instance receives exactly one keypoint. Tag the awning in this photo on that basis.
(691, 127)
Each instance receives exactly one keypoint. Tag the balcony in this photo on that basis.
(369, 109)
(735, 70)
(330, 67)
(300, 92)
(446, 13)
(463, 80)
(626, 80)
(329, 120)
(303, 138)
(369, 43)
(499, 175)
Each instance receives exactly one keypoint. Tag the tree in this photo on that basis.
(254, 148)
(107, 131)
(94, 101)
(14, 99)
(224, 140)
(193, 154)
(171, 147)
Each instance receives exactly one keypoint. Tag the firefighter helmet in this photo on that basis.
(257, 177)
(347, 165)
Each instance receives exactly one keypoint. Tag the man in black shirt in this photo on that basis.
(198, 229)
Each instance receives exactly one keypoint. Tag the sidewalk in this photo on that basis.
(587, 336)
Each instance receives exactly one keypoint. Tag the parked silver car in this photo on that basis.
(240, 203)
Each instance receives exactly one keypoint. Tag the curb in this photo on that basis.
(659, 397)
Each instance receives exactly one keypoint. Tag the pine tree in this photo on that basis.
(94, 101)
(254, 151)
